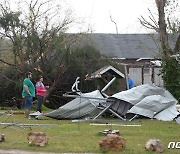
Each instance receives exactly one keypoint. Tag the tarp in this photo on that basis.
(150, 101)
(79, 107)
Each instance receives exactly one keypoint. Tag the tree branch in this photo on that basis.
(7, 63)
(147, 24)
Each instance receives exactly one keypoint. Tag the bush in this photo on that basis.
(171, 76)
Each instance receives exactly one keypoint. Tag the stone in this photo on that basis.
(112, 142)
(2, 138)
(38, 138)
(154, 145)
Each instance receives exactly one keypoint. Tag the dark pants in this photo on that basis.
(39, 103)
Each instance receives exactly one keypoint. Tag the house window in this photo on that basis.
(146, 71)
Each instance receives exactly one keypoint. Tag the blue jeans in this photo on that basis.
(28, 102)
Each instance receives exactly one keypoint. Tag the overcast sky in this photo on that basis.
(95, 15)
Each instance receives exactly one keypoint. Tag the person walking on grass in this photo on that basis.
(40, 93)
(28, 93)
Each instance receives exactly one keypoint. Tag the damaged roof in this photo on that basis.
(107, 70)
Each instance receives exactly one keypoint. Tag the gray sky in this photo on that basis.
(95, 15)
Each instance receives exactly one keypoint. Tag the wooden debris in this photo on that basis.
(38, 138)
(2, 138)
(154, 145)
(112, 142)
(109, 131)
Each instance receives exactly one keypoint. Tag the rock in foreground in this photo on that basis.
(112, 142)
(38, 138)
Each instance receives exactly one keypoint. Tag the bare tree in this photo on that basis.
(39, 41)
(162, 25)
(37, 36)
(165, 25)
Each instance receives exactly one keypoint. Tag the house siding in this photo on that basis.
(143, 77)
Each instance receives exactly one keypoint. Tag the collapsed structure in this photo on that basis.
(145, 100)
(149, 101)
(84, 105)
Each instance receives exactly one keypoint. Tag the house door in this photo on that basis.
(147, 76)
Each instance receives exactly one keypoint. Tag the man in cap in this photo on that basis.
(28, 93)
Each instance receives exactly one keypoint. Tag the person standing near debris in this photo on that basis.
(130, 82)
(40, 93)
(28, 93)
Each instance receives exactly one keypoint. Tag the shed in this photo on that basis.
(108, 74)
(107, 70)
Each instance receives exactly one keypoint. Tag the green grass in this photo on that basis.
(84, 138)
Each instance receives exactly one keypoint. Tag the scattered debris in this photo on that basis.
(38, 138)
(154, 145)
(84, 105)
(145, 100)
(2, 113)
(103, 121)
(26, 125)
(17, 112)
(109, 131)
(115, 125)
(149, 101)
(35, 115)
(112, 142)
(2, 138)
(11, 113)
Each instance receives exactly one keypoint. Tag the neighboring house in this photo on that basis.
(138, 53)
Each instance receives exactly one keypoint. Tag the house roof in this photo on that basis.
(126, 46)
(107, 70)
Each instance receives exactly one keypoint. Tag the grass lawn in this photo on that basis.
(67, 136)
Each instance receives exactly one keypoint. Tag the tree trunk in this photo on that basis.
(177, 46)
(162, 29)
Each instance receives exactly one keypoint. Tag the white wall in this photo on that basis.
(136, 75)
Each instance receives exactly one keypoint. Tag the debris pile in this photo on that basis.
(109, 131)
